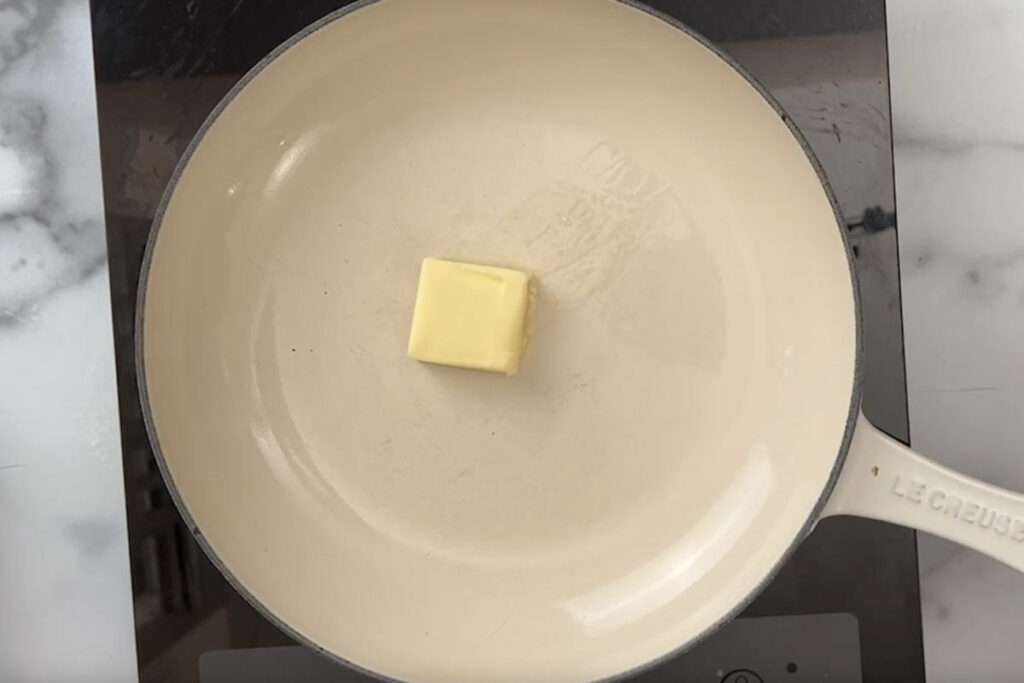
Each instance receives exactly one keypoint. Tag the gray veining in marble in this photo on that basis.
(65, 589)
(957, 71)
(51, 235)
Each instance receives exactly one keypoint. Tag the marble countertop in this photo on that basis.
(957, 79)
(65, 588)
(957, 88)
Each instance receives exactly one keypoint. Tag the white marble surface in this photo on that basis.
(957, 73)
(65, 591)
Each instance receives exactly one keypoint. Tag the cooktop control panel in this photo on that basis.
(811, 648)
(808, 648)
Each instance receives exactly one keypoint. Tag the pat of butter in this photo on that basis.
(470, 316)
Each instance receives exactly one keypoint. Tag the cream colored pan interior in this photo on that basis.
(678, 415)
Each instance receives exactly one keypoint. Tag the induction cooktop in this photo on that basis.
(845, 607)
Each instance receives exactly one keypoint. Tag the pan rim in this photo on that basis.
(179, 503)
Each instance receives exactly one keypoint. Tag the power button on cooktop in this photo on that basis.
(742, 676)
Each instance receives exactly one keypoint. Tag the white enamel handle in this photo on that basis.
(883, 479)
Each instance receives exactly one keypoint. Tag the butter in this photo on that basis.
(470, 316)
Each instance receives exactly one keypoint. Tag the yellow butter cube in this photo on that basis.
(470, 316)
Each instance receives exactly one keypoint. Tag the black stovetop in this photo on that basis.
(162, 66)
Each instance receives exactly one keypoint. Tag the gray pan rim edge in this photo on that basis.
(140, 370)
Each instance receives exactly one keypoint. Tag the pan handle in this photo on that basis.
(883, 479)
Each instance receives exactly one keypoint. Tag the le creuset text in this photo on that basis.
(966, 510)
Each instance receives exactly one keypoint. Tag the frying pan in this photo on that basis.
(690, 403)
